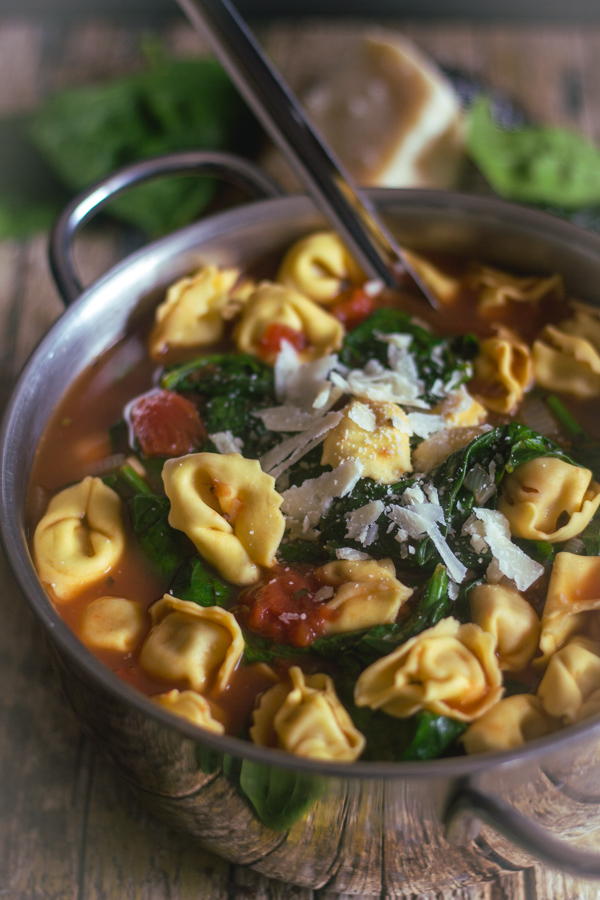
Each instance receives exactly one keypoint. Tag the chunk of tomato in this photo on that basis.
(353, 307)
(275, 334)
(167, 424)
(283, 606)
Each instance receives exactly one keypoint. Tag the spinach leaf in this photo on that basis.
(233, 386)
(438, 360)
(584, 448)
(87, 132)
(195, 582)
(165, 547)
(434, 736)
(500, 450)
(127, 483)
(534, 164)
(279, 797)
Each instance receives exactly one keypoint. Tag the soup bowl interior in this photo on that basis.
(349, 825)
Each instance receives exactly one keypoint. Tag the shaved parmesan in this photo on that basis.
(361, 524)
(425, 424)
(350, 553)
(225, 442)
(285, 418)
(283, 455)
(304, 384)
(311, 500)
(363, 416)
(492, 527)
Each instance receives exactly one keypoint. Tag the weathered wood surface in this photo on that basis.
(69, 829)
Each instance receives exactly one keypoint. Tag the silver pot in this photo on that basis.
(362, 827)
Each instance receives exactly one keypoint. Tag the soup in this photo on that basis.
(330, 519)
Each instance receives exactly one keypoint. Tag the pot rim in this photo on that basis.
(14, 540)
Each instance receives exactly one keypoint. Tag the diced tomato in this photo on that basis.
(274, 336)
(167, 424)
(354, 307)
(283, 608)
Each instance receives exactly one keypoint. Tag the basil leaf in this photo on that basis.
(279, 797)
(534, 164)
(196, 583)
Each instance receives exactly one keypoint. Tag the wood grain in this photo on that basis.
(69, 829)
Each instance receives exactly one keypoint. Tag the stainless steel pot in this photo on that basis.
(362, 827)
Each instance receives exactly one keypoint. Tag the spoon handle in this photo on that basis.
(332, 189)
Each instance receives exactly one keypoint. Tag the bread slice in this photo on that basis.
(390, 115)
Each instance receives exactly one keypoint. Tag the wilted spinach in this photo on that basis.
(438, 360)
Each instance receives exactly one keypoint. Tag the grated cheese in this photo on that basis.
(311, 500)
(361, 524)
(225, 442)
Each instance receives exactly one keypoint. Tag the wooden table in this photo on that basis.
(69, 830)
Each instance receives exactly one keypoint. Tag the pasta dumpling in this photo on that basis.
(229, 508)
(318, 266)
(449, 669)
(508, 724)
(572, 601)
(197, 645)
(79, 539)
(441, 284)
(367, 593)
(275, 304)
(503, 371)
(305, 717)
(192, 312)
(112, 623)
(376, 434)
(191, 706)
(497, 287)
(460, 409)
(571, 680)
(548, 499)
(513, 621)
(433, 450)
(566, 362)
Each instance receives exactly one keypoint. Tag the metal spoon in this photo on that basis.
(332, 189)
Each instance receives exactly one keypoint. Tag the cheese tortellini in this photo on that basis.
(79, 539)
(570, 688)
(191, 706)
(305, 717)
(497, 287)
(566, 362)
(572, 602)
(112, 623)
(548, 499)
(376, 434)
(504, 371)
(229, 508)
(197, 645)
(318, 266)
(449, 669)
(509, 724)
(274, 304)
(192, 312)
(513, 621)
(367, 593)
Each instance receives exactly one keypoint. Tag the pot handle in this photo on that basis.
(236, 171)
(470, 807)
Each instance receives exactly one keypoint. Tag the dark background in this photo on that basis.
(574, 11)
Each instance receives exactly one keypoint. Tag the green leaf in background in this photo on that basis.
(279, 797)
(534, 164)
(30, 195)
(87, 132)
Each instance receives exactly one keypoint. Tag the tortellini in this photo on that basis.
(197, 645)
(449, 669)
(509, 724)
(112, 623)
(191, 706)
(367, 593)
(571, 681)
(460, 409)
(318, 266)
(548, 499)
(513, 621)
(229, 508)
(192, 312)
(80, 538)
(497, 287)
(503, 371)
(566, 362)
(441, 284)
(305, 717)
(572, 601)
(377, 434)
(274, 304)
